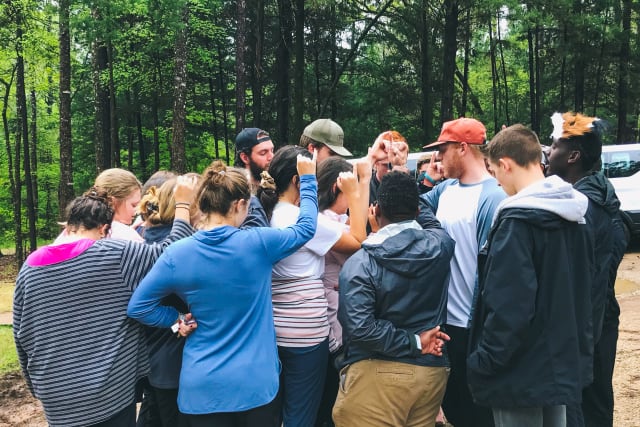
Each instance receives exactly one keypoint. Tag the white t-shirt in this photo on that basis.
(308, 261)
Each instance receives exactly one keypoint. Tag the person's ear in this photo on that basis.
(245, 158)
(104, 230)
(295, 180)
(504, 164)
(574, 156)
(377, 212)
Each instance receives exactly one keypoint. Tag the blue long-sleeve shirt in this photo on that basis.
(230, 362)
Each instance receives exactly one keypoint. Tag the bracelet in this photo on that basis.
(428, 178)
(183, 205)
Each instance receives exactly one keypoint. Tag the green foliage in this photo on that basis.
(381, 85)
(8, 356)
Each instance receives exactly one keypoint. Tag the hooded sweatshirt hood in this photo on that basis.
(600, 191)
(552, 195)
(411, 254)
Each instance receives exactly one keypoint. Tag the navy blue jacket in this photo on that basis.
(391, 291)
(601, 216)
(531, 341)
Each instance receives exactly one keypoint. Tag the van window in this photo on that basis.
(620, 164)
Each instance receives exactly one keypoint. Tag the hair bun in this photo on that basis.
(266, 181)
(97, 194)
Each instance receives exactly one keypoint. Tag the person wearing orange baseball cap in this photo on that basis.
(464, 203)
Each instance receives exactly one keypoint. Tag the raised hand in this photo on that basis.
(307, 166)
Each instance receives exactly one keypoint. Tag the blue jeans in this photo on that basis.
(301, 382)
(550, 416)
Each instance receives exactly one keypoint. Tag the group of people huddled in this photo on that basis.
(298, 289)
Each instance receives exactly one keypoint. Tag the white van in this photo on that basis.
(621, 164)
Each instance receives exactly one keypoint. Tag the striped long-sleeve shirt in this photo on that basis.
(79, 352)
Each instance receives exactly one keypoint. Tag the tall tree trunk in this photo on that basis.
(129, 128)
(539, 94)
(101, 106)
(563, 68)
(425, 65)
(241, 49)
(142, 152)
(13, 169)
(65, 189)
(334, 61)
(178, 155)
(33, 149)
(624, 133)
(450, 46)
(580, 62)
(283, 64)
(467, 54)
(298, 71)
(532, 81)
(600, 65)
(23, 125)
(114, 136)
(494, 76)
(504, 73)
(223, 99)
(257, 82)
(214, 122)
(156, 124)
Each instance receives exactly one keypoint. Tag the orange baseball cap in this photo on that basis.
(463, 129)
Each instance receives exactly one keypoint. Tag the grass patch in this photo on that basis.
(8, 355)
(6, 297)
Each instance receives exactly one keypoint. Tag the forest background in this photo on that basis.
(166, 84)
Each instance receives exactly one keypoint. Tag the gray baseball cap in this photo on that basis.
(329, 133)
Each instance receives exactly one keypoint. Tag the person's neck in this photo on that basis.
(527, 177)
(574, 176)
(216, 220)
(291, 196)
(474, 172)
(83, 233)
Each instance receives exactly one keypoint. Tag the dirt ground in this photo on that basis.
(19, 409)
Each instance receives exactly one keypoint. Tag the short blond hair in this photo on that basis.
(117, 183)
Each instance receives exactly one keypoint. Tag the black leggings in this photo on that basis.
(262, 416)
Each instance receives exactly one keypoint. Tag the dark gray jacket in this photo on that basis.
(392, 290)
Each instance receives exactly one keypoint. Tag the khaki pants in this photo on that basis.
(383, 393)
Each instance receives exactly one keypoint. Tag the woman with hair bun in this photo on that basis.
(230, 365)
(299, 301)
(79, 352)
(123, 192)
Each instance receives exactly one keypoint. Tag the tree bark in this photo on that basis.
(494, 76)
(223, 99)
(178, 155)
(298, 73)
(257, 81)
(425, 76)
(450, 46)
(624, 133)
(283, 64)
(33, 148)
(65, 189)
(504, 73)
(241, 48)
(101, 106)
(13, 169)
(467, 54)
(532, 82)
(114, 131)
(23, 125)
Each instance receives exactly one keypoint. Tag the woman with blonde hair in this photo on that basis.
(80, 354)
(230, 366)
(123, 193)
